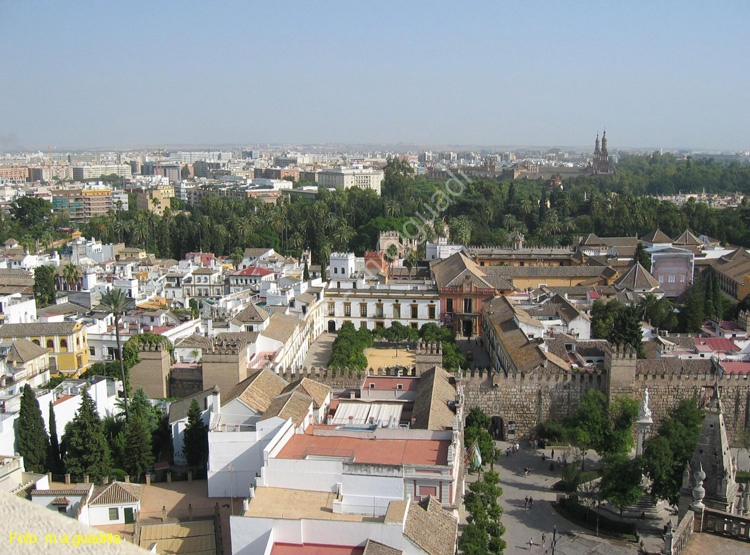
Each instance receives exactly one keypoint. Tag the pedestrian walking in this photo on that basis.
(552, 456)
(531, 544)
(544, 540)
(526, 502)
(531, 502)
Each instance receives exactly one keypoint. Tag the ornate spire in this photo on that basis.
(596, 144)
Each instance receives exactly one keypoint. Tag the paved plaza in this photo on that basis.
(524, 524)
(320, 351)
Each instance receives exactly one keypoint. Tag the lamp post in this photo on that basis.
(554, 538)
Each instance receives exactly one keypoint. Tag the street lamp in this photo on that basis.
(554, 538)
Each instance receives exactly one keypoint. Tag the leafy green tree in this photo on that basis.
(55, 462)
(642, 256)
(44, 285)
(692, 313)
(660, 313)
(116, 302)
(139, 456)
(195, 445)
(626, 329)
(603, 318)
(484, 532)
(71, 274)
(114, 432)
(667, 453)
(32, 442)
(87, 451)
(31, 212)
(621, 481)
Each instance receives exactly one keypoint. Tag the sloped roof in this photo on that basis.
(250, 252)
(194, 341)
(38, 329)
(592, 240)
(656, 236)
(689, 239)
(252, 271)
(292, 405)
(116, 493)
(637, 278)
(432, 528)
(23, 350)
(315, 390)
(257, 391)
(376, 548)
(252, 314)
(434, 392)
(281, 327)
(451, 271)
(179, 409)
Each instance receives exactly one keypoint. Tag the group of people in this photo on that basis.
(512, 449)
(528, 502)
(544, 542)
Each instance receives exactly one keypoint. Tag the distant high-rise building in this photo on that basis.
(82, 204)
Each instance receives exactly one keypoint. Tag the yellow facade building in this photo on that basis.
(66, 340)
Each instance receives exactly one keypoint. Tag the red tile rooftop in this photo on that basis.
(390, 383)
(314, 549)
(372, 451)
(62, 399)
(715, 344)
(742, 368)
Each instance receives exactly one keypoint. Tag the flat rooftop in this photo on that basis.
(294, 504)
(314, 549)
(368, 450)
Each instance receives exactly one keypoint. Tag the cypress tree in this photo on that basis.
(195, 445)
(32, 442)
(55, 463)
(87, 449)
(138, 455)
(718, 299)
(306, 273)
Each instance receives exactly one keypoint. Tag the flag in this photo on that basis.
(476, 458)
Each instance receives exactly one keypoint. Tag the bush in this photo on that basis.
(587, 518)
(553, 432)
(348, 348)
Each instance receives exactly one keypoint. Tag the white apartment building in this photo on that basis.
(97, 170)
(346, 178)
(372, 304)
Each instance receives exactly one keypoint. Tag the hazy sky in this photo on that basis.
(128, 73)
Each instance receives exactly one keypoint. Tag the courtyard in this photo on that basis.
(384, 358)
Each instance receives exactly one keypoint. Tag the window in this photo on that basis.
(414, 326)
(431, 310)
(63, 344)
(372, 385)
(397, 310)
(50, 344)
(467, 304)
(399, 386)
(347, 309)
(62, 510)
(682, 278)
(672, 278)
(363, 310)
(449, 305)
(661, 279)
(335, 270)
(414, 311)
(331, 309)
(379, 310)
(363, 325)
(379, 324)
(92, 351)
(114, 514)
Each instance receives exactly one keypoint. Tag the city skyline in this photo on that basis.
(665, 76)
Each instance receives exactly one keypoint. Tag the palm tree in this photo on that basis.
(461, 230)
(71, 274)
(410, 261)
(391, 254)
(510, 221)
(116, 302)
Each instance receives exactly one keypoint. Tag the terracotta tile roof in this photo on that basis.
(656, 236)
(252, 314)
(252, 271)
(116, 493)
(432, 409)
(60, 492)
(23, 350)
(546, 271)
(676, 366)
(39, 329)
(60, 501)
(688, 239)
(315, 390)
(257, 391)
(376, 548)
(637, 278)
(451, 271)
(294, 405)
(194, 342)
(281, 327)
(254, 252)
(431, 528)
